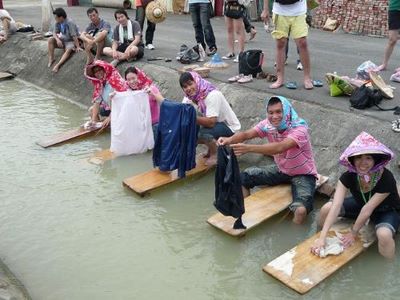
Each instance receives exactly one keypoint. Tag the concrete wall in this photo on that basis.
(331, 130)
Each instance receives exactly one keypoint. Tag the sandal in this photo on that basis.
(396, 125)
(245, 79)
(317, 83)
(271, 78)
(292, 85)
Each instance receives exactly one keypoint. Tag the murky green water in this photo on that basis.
(69, 230)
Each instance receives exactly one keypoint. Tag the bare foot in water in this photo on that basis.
(300, 215)
(277, 84)
(50, 63)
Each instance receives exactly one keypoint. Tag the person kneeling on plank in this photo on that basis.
(138, 80)
(105, 79)
(289, 144)
(373, 195)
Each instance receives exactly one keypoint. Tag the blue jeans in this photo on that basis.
(381, 216)
(219, 129)
(303, 186)
(202, 25)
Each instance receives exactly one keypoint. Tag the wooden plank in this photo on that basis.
(153, 179)
(301, 270)
(102, 156)
(5, 75)
(259, 207)
(67, 136)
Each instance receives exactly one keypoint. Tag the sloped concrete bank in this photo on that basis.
(331, 129)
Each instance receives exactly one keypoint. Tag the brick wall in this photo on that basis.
(367, 17)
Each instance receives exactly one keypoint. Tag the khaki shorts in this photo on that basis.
(296, 27)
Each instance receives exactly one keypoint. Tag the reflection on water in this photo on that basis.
(69, 230)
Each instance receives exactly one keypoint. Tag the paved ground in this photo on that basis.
(330, 52)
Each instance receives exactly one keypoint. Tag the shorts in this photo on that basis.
(124, 46)
(234, 11)
(104, 112)
(381, 217)
(295, 26)
(303, 186)
(69, 45)
(394, 19)
(219, 129)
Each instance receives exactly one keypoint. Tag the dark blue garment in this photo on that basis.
(175, 146)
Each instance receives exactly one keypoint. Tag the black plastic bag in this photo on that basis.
(250, 62)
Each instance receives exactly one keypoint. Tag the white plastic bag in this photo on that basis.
(131, 130)
(364, 69)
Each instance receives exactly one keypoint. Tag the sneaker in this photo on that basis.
(228, 56)
(245, 79)
(212, 51)
(236, 60)
(150, 47)
(299, 66)
(202, 53)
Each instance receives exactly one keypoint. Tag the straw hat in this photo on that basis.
(156, 11)
(378, 82)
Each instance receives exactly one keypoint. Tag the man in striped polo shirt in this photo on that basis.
(289, 144)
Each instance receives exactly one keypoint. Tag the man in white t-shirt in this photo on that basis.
(7, 25)
(289, 18)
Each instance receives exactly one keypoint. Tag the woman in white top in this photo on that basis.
(7, 25)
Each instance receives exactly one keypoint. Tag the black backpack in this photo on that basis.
(365, 97)
(250, 62)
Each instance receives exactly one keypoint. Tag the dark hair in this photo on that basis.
(60, 12)
(127, 4)
(273, 101)
(91, 9)
(185, 78)
(378, 158)
(130, 70)
(120, 11)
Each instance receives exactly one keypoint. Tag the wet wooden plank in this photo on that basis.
(154, 179)
(67, 136)
(259, 207)
(5, 75)
(301, 270)
(102, 156)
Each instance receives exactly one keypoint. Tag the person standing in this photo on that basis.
(289, 16)
(151, 27)
(394, 27)
(97, 35)
(204, 34)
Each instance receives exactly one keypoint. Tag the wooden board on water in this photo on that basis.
(5, 75)
(102, 156)
(67, 136)
(259, 207)
(151, 180)
(301, 270)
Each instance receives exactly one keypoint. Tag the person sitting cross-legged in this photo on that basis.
(289, 144)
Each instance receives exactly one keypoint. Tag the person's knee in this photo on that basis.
(51, 41)
(281, 44)
(324, 212)
(302, 43)
(392, 41)
(385, 236)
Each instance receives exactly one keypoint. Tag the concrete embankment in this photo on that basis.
(331, 129)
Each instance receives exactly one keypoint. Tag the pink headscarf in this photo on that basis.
(203, 89)
(142, 79)
(111, 76)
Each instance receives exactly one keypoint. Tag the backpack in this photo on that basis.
(286, 2)
(365, 97)
(250, 62)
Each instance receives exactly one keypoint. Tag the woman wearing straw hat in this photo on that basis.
(374, 195)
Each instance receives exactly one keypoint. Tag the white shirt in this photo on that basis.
(217, 106)
(292, 10)
(5, 14)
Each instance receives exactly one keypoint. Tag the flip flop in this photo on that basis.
(317, 83)
(292, 85)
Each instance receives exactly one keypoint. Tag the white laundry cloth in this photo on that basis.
(131, 130)
(333, 246)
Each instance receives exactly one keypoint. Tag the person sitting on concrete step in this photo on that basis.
(7, 25)
(289, 144)
(127, 42)
(373, 196)
(97, 35)
(65, 36)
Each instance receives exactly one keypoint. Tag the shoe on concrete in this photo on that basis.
(202, 53)
(236, 60)
(228, 56)
(150, 47)
(212, 51)
(299, 66)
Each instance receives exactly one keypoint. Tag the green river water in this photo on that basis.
(70, 230)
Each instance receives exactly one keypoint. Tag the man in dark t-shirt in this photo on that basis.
(127, 43)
